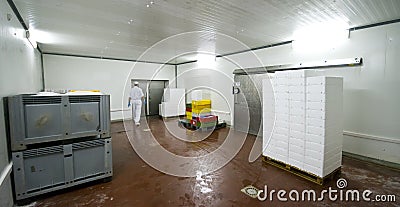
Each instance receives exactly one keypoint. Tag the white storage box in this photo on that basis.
(297, 119)
(309, 114)
(303, 73)
(297, 97)
(174, 103)
(324, 81)
(282, 118)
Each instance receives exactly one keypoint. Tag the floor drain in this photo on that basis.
(250, 191)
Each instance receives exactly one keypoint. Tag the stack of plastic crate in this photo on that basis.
(189, 111)
(199, 113)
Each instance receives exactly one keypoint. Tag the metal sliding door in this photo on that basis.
(156, 92)
(247, 103)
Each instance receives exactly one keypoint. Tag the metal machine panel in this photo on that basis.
(43, 120)
(46, 169)
(248, 101)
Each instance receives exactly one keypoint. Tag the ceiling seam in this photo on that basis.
(375, 25)
(16, 12)
(107, 58)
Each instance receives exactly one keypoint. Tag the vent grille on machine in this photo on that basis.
(41, 100)
(83, 99)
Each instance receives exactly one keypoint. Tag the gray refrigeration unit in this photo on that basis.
(58, 141)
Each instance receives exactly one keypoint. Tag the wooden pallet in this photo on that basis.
(301, 173)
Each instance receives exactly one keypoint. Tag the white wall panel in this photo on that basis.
(108, 76)
(20, 72)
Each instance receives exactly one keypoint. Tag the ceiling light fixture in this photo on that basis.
(205, 60)
(320, 36)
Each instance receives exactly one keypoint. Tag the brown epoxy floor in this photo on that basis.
(137, 184)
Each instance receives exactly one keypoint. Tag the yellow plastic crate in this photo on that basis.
(188, 115)
(200, 107)
(202, 110)
(201, 103)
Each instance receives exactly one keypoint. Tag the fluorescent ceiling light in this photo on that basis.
(205, 60)
(320, 36)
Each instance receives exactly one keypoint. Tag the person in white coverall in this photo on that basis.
(136, 96)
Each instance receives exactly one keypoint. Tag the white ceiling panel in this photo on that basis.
(127, 28)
